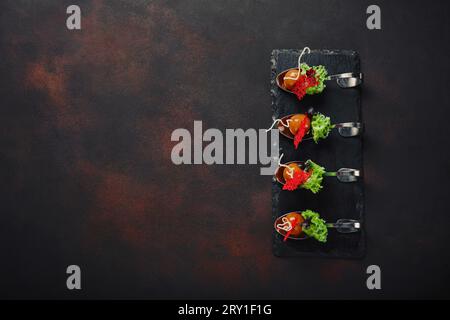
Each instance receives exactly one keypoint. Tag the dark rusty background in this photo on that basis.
(86, 176)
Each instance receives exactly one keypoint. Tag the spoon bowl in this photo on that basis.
(280, 79)
(279, 172)
(285, 130)
(301, 236)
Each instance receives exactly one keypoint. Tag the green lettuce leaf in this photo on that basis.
(321, 75)
(314, 183)
(321, 126)
(317, 227)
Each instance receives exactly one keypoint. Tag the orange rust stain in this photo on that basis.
(38, 76)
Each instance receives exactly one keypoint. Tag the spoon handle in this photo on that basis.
(349, 129)
(344, 75)
(348, 175)
(345, 226)
(348, 125)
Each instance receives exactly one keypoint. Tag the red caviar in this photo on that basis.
(298, 179)
(304, 82)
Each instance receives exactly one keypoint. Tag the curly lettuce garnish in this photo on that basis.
(321, 126)
(314, 183)
(320, 73)
(317, 227)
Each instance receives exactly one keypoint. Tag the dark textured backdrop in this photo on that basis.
(86, 177)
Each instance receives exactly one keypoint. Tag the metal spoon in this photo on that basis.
(345, 129)
(343, 175)
(301, 236)
(344, 80)
(341, 226)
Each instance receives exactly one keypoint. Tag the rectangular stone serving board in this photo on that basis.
(336, 200)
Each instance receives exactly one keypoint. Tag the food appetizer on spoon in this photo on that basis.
(313, 126)
(310, 80)
(308, 224)
(309, 175)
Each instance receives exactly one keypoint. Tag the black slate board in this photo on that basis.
(336, 200)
